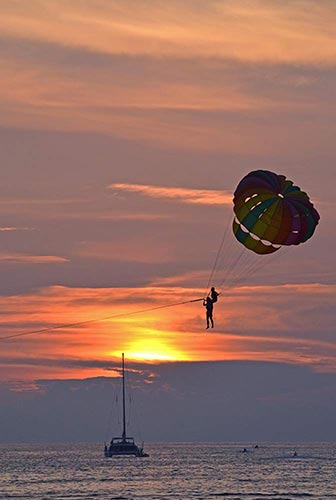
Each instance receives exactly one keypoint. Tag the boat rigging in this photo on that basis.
(124, 445)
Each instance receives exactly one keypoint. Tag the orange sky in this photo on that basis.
(285, 333)
(124, 129)
(118, 67)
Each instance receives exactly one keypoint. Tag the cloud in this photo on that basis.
(187, 279)
(150, 251)
(137, 216)
(211, 83)
(190, 103)
(296, 32)
(197, 83)
(184, 195)
(22, 386)
(283, 325)
(238, 398)
(4, 229)
(18, 258)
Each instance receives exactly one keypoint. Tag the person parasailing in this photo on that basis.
(208, 304)
(213, 295)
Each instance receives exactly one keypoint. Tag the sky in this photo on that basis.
(124, 129)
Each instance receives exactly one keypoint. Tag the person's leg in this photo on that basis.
(207, 319)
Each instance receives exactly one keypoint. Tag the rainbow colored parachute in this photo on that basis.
(271, 212)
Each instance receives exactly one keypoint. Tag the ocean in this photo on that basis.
(181, 471)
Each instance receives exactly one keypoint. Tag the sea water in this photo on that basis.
(172, 471)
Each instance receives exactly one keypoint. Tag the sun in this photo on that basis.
(153, 350)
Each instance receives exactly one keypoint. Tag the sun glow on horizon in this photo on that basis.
(153, 350)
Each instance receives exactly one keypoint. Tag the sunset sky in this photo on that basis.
(125, 127)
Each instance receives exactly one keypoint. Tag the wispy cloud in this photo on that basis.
(184, 195)
(298, 31)
(136, 216)
(32, 259)
(190, 85)
(25, 202)
(187, 279)
(21, 386)
(148, 251)
(17, 229)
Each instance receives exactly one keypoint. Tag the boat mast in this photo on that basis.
(123, 387)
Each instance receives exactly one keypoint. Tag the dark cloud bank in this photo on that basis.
(210, 401)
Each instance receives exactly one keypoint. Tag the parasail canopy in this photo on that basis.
(270, 212)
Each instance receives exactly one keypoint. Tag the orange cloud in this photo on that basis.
(278, 327)
(16, 229)
(299, 31)
(77, 101)
(32, 259)
(142, 74)
(185, 195)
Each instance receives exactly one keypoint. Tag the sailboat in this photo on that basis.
(124, 445)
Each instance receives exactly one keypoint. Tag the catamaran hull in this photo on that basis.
(126, 453)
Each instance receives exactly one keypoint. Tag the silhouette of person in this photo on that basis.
(213, 294)
(208, 304)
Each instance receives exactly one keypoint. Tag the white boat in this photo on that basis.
(124, 445)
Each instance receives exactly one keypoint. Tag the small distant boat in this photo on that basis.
(124, 445)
